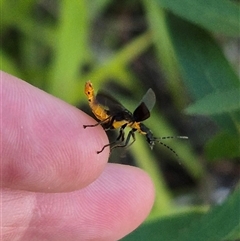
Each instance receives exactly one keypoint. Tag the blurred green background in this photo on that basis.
(188, 52)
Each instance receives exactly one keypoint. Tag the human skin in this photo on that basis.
(54, 186)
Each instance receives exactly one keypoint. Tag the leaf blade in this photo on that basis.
(216, 103)
(217, 16)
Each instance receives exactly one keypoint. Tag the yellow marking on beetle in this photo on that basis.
(113, 115)
(97, 109)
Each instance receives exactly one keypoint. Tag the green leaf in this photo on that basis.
(223, 145)
(216, 103)
(216, 225)
(71, 48)
(162, 229)
(234, 236)
(218, 16)
(204, 68)
(203, 64)
(164, 50)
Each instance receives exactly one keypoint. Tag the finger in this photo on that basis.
(108, 209)
(44, 144)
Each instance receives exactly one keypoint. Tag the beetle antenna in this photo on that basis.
(170, 137)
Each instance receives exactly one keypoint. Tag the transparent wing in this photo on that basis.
(149, 99)
(142, 112)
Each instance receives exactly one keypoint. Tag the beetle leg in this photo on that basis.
(99, 123)
(130, 134)
(120, 136)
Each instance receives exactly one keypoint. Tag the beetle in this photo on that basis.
(113, 115)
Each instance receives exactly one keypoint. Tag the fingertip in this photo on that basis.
(108, 209)
(46, 147)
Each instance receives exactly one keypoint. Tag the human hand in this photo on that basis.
(54, 185)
